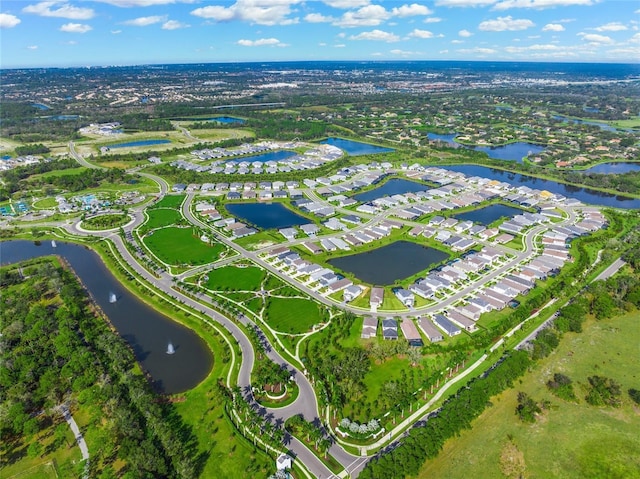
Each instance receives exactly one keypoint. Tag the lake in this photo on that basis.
(146, 330)
(270, 156)
(510, 152)
(139, 143)
(489, 214)
(266, 215)
(614, 168)
(585, 195)
(395, 186)
(356, 148)
(386, 265)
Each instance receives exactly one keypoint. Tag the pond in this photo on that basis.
(577, 121)
(395, 186)
(386, 265)
(614, 168)
(487, 215)
(147, 331)
(40, 106)
(356, 148)
(227, 120)
(585, 195)
(139, 143)
(270, 156)
(510, 152)
(266, 215)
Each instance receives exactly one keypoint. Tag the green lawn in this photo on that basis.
(292, 315)
(160, 217)
(170, 201)
(233, 278)
(570, 440)
(177, 246)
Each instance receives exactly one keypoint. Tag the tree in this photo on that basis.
(527, 408)
(35, 449)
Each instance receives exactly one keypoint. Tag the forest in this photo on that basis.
(58, 350)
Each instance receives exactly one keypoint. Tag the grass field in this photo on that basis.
(160, 217)
(170, 201)
(232, 278)
(292, 315)
(570, 440)
(177, 246)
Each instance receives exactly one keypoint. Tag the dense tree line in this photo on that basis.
(33, 149)
(56, 350)
(89, 178)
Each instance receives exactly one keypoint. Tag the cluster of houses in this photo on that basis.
(351, 239)
(494, 296)
(311, 274)
(102, 129)
(311, 159)
(8, 163)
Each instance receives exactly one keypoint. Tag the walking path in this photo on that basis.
(84, 450)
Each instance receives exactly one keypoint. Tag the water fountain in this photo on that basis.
(112, 297)
(170, 348)
(53, 243)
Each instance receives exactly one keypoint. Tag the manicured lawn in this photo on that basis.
(170, 201)
(232, 278)
(45, 203)
(292, 315)
(570, 440)
(160, 217)
(178, 246)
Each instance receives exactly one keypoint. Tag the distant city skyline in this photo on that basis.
(132, 32)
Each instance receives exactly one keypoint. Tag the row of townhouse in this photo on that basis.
(296, 268)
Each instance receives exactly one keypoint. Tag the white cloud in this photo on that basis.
(502, 24)
(465, 33)
(611, 27)
(75, 28)
(635, 38)
(464, 3)
(344, 4)
(115, 32)
(32, 47)
(63, 11)
(142, 3)
(553, 27)
(262, 42)
(457, 41)
(478, 51)
(595, 38)
(261, 12)
(540, 4)
(403, 53)
(369, 16)
(376, 35)
(174, 25)
(410, 10)
(8, 21)
(145, 21)
(318, 18)
(433, 20)
(339, 45)
(542, 47)
(417, 33)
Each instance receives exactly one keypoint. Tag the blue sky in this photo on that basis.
(128, 32)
